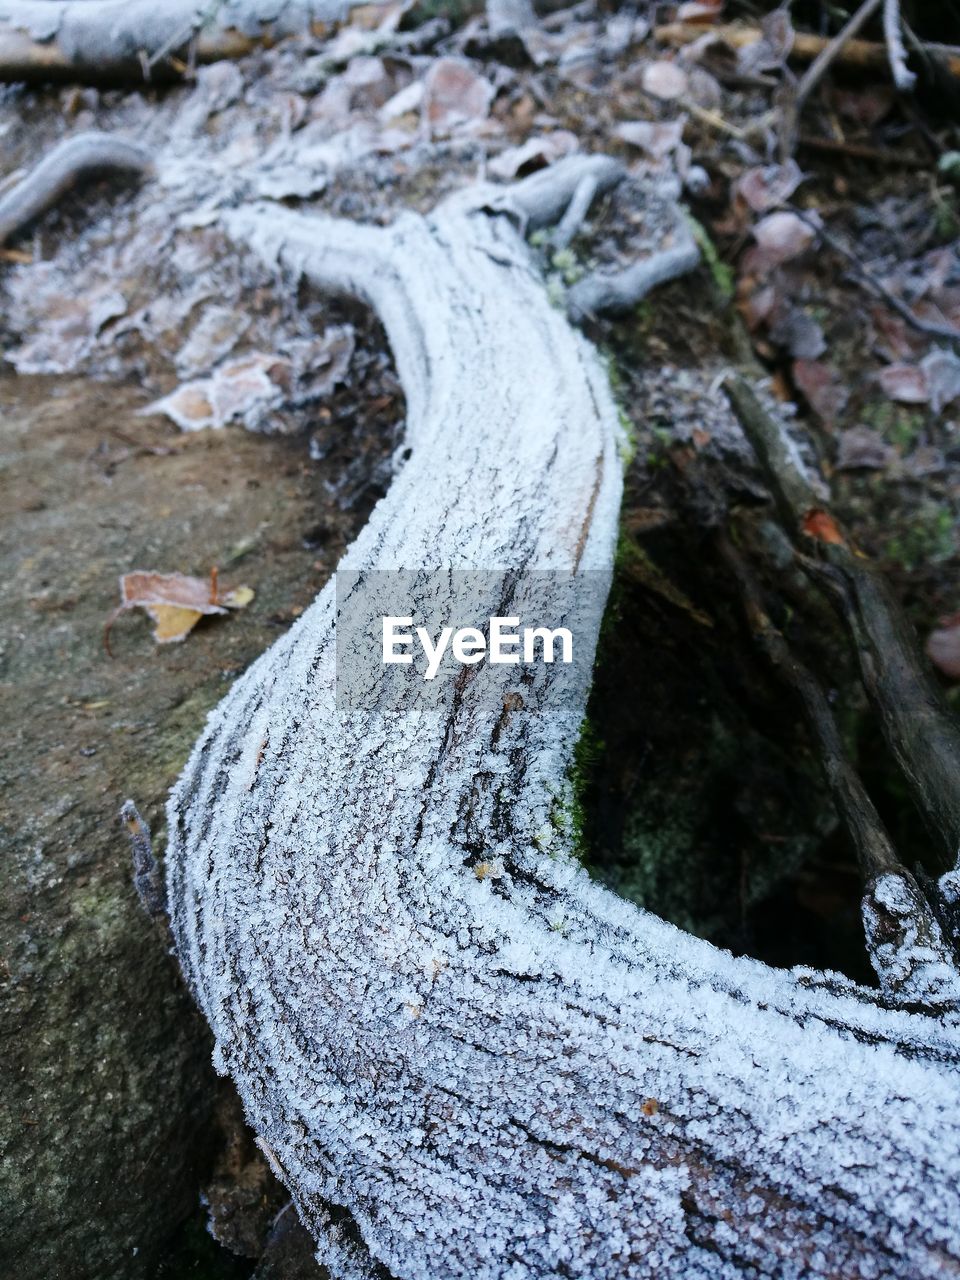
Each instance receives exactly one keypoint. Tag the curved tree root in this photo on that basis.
(76, 158)
(135, 39)
(513, 1075)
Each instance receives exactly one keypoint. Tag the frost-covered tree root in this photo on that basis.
(79, 39)
(436, 1021)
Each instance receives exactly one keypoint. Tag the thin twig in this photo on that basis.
(875, 852)
(903, 77)
(866, 278)
(917, 723)
(822, 62)
(861, 151)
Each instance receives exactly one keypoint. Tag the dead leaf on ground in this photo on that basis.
(454, 94)
(174, 601)
(664, 80)
(822, 387)
(943, 646)
(248, 388)
(767, 185)
(941, 369)
(783, 236)
(797, 331)
(822, 526)
(905, 383)
(771, 50)
(536, 153)
(700, 11)
(861, 449)
(656, 138)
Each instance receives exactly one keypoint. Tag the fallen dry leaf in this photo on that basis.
(536, 153)
(700, 11)
(454, 94)
(783, 236)
(798, 332)
(905, 383)
(664, 80)
(174, 601)
(248, 388)
(823, 388)
(767, 185)
(941, 369)
(822, 526)
(943, 646)
(657, 139)
(861, 449)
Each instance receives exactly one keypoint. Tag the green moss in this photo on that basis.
(929, 537)
(721, 273)
(568, 814)
(895, 422)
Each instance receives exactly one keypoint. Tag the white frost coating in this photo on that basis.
(914, 964)
(520, 1075)
(100, 33)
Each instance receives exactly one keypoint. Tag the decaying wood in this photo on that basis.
(514, 1073)
(917, 722)
(96, 39)
(924, 970)
(867, 54)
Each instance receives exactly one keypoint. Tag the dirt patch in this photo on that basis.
(106, 1111)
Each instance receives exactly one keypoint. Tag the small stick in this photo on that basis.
(823, 61)
(875, 852)
(860, 151)
(867, 54)
(903, 77)
(917, 723)
(870, 281)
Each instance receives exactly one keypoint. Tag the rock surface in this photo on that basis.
(105, 1111)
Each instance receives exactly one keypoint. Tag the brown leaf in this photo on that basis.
(821, 387)
(174, 601)
(942, 372)
(905, 383)
(454, 94)
(799, 333)
(664, 80)
(700, 11)
(658, 139)
(822, 526)
(943, 646)
(863, 449)
(767, 185)
(783, 236)
(536, 153)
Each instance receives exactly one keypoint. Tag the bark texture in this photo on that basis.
(513, 1074)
